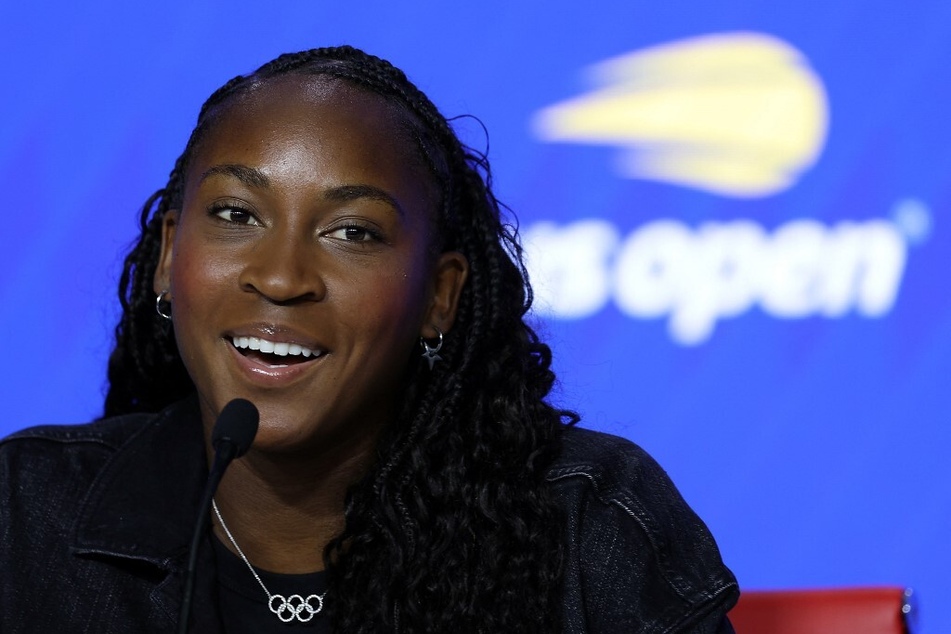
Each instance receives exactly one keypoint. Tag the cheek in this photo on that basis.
(197, 270)
(198, 282)
(391, 305)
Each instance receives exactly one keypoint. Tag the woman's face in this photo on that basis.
(300, 267)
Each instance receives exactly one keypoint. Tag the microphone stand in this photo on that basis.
(233, 433)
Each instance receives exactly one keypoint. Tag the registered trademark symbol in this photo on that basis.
(913, 218)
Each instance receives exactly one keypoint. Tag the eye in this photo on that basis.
(236, 215)
(354, 233)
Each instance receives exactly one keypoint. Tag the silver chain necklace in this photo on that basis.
(286, 609)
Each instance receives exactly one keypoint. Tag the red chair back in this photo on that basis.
(834, 611)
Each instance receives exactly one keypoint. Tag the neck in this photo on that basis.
(284, 509)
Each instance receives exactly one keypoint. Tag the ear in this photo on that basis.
(449, 276)
(162, 280)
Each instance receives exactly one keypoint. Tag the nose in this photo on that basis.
(283, 269)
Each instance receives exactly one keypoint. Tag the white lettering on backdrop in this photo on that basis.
(697, 276)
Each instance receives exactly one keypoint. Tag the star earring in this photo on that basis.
(431, 353)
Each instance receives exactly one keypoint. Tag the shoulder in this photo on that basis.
(639, 558)
(615, 471)
(38, 448)
(108, 433)
(601, 458)
(59, 461)
(597, 469)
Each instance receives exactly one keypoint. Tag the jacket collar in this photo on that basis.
(142, 507)
(143, 503)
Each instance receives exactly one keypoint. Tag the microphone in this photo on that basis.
(231, 437)
(234, 430)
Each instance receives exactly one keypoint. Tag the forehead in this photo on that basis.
(316, 120)
(302, 95)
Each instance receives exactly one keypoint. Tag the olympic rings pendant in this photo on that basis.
(295, 607)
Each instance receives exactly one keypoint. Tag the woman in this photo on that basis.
(327, 249)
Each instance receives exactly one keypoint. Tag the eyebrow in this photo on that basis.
(342, 193)
(247, 175)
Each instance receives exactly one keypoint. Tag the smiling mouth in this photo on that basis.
(274, 353)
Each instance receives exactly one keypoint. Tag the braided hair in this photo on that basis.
(453, 526)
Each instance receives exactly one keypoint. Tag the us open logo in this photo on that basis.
(739, 115)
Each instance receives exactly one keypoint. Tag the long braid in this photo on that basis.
(485, 313)
(453, 526)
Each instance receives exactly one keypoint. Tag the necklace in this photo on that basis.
(286, 609)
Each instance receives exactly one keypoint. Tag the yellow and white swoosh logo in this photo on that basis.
(735, 114)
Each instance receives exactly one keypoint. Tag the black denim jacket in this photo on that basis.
(95, 522)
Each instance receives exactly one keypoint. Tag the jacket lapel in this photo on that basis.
(142, 509)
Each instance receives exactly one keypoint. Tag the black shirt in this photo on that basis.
(244, 604)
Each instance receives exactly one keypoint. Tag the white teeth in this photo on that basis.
(275, 347)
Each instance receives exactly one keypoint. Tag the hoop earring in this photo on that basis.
(431, 353)
(158, 305)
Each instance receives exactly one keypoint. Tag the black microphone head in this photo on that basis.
(237, 424)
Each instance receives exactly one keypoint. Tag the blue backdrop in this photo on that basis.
(736, 217)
